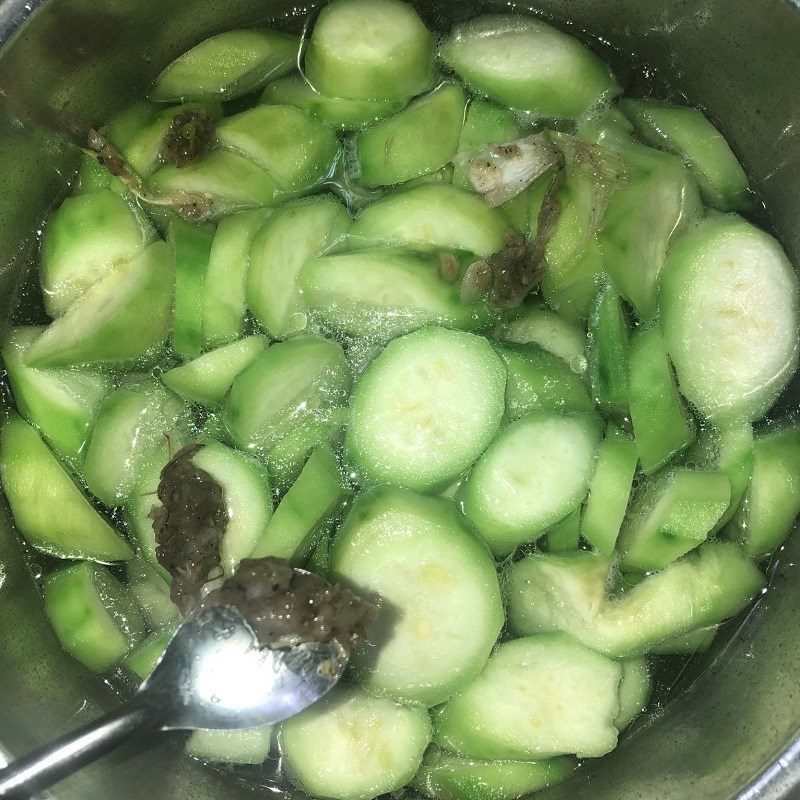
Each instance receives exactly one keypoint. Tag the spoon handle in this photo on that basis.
(43, 767)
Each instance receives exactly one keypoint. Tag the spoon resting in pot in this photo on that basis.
(213, 674)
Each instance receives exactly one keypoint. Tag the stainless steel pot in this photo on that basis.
(735, 732)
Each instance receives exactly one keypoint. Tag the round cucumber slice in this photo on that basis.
(227, 66)
(425, 409)
(438, 589)
(731, 317)
(444, 776)
(93, 615)
(537, 697)
(351, 746)
(524, 63)
(369, 50)
(533, 475)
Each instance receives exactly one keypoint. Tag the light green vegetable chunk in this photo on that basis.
(607, 352)
(634, 691)
(143, 658)
(245, 746)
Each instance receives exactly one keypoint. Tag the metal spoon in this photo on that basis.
(213, 674)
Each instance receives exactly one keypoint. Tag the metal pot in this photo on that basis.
(734, 732)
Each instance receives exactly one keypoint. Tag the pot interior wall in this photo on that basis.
(739, 59)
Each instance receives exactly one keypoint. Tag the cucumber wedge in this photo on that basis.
(731, 318)
(662, 424)
(437, 584)
(672, 514)
(610, 490)
(381, 752)
(524, 63)
(693, 642)
(418, 140)
(532, 476)
(772, 500)
(191, 249)
(124, 126)
(84, 239)
(338, 112)
(121, 321)
(60, 403)
(295, 527)
(687, 133)
(93, 615)
(143, 658)
(243, 746)
(568, 593)
(425, 409)
(151, 591)
(225, 291)
(288, 383)
(294, 234)
(293, 147)
(382, 293)
(607, 352)
(634, 691)
(444, 776)
(658, 201)
(565, 536)
(208, 378)
(537, 697)
(539, 381)
(369, 50)
(227, 66)
(49, 509)
(432, 217)
(134, 425)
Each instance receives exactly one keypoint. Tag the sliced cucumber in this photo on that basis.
(425, 409)
(295, 234)
(687, 133)
(208, 378)
(295, 527)
(246, 746)
(286, 459)
(133, 427)
(418, 140)
(248, 499)
(151, 591)
(772, 500)
(319, 560)
(673, 513)
(227, 66)
(522, 62)
(444, 776)
(124, 126)
(539, 381)
(570, 286)
(122, 320)
(229, 182)
(634, 691)
(484, 124)
(565, 536)
(658, 201)
(432, 217)
(537, 697)
(60, 403)
(191, 249)
(143, 658)
(731, 318)
(610, 490)
(693, 642)
(338, 112)
(568, 593)
(382, 293)
(369, 50)
(608, 352)
(662, 424)
(351, 746)
(533, 475)
(225, 292)
(93, 615)
(293, 147)
(49, 509)
(442, 610)
(289, 382)
(551, 332)
(84, 239)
